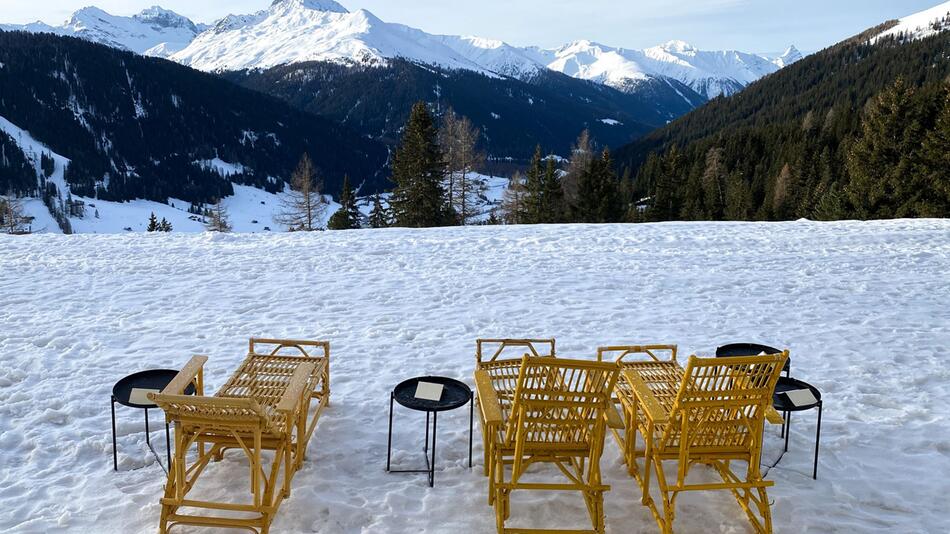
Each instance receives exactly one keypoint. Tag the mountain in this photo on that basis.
(851, 131)
(119, 126)
(155, 29)
(514, 116)
(298, 31)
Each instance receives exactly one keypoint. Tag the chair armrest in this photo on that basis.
(773, 417)
(488, 401)
(651, 407)
(613, 418)
(294, 392)
(186, 376)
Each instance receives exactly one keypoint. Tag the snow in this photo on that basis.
(222, 167)
(610, 122)
(154, 31)
(862, 306)
(919, 25)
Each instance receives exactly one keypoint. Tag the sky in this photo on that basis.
(747, 25)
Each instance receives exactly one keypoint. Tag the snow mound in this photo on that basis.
(862, 306)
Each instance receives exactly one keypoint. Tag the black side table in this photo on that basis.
(155, 379)
(782, 403)
(455, 394)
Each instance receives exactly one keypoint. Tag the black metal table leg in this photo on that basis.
(425, 448)
(471, 420)
(147, 442)
(435, 418)
(788, 429)
(115, 457)
(389, 446)
(814, 474)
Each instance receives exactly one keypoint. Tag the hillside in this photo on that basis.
(122, 126)
(783, 147)
(514, 116)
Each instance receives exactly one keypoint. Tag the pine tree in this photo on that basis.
(302, 208)
(881, 160)
(713, 181)
(933, 196)
(781, 193)
(217, 218)
(598, 196)
(738, 198)
(164, 225)
(418, 200)
(553, 194)
(378, 218)
(535, 210)
(348, 216)
(152, 223)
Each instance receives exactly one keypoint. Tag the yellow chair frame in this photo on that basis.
(497, 358)
(558, 415)
(271, 403)
(715, 417)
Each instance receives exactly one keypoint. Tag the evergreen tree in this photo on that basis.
(164, 225)
(598, 196)
(932, 198)
(418, 200)
(152, 223)
(302, 208)
(713, 182)
(348, 216)
(535, 210)
(378, 218)
(553, 194)
(881, 160)
(738, 198)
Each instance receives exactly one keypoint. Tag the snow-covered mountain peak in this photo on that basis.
(791, 55)
(165, 18)
(676, 45)
(316, 5)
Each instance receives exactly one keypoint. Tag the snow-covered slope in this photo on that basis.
(922, 24)
(154, 31)
(291, 31)
(861, 305)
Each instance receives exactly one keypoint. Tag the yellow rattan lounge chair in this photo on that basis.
(501, 360)
(557, 416)
(271, 403)
(715, 417)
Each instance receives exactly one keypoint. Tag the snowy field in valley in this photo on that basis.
(864, 308)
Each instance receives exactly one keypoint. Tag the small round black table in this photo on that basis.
(781, 402)
(455, 394)
(751, 349)
(155, 379)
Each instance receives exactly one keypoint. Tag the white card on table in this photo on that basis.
(140, 395)
(801, 397)
(429, 391)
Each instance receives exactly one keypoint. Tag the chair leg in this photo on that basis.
(814, 474)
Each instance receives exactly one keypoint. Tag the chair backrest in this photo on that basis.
(560, 402)
(657, 353)
(289, 347)
(721, 403)
(538, 348)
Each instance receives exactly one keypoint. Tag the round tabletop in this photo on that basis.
(454, 394)
(781, 402)
(749, 349)
(152, 379)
